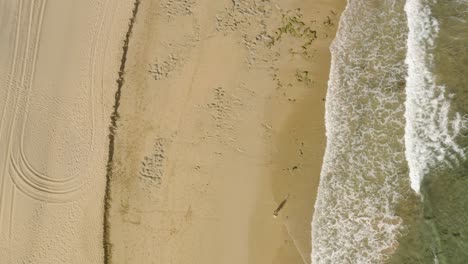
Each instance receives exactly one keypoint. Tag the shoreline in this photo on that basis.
(300, 142)
(202, 142)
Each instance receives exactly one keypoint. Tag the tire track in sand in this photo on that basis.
(38, 185)
(92, 72)
(13, 64)
(9, 88)
(22, 82)
(32, 183)
(22, 85)
(2, 121)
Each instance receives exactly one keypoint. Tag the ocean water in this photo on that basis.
(394, 180)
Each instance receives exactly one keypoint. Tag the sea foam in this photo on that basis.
(397, 125)
(430, 129)
(364, 173)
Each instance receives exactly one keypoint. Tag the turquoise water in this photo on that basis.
(395, 171)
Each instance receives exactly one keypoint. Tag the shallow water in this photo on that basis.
(445, 173)
(395, 171)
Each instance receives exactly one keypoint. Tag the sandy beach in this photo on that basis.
(58, 67)
(216, 112)
(220, 119)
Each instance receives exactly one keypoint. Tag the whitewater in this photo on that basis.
(395, 172)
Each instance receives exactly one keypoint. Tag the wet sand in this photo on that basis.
(221, 117)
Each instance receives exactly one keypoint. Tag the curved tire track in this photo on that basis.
(31, 182)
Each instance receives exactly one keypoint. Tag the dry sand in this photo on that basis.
(221, 117)
(58, 66)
